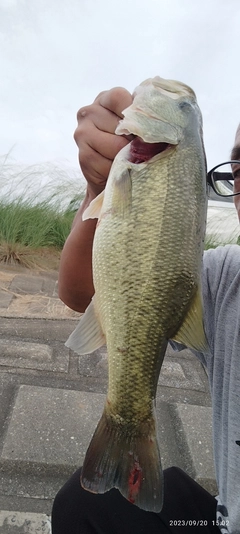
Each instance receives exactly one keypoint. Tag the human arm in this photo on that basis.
(98, 146)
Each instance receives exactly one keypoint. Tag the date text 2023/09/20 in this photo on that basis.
(196, 523)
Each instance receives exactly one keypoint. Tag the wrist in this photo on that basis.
(93, 190)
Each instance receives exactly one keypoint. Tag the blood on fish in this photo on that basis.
(141, 151)
(134, 482)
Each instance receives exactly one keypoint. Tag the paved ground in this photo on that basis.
(51, 400)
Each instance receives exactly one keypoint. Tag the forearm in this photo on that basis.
(75, 283)
(98, 146)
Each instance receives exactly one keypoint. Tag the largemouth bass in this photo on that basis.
(147, 255)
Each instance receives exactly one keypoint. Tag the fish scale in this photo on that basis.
(147, 255)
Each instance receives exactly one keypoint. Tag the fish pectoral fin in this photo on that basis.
(127, 459)
(191, 332)
(88, 335)
(122, 193)
(94, 209)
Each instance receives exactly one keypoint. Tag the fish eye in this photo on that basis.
(184, 105)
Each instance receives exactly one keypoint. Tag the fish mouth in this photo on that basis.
(140, 151)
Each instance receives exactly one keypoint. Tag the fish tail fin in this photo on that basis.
(125, 459)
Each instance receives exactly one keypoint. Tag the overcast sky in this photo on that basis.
(57, 55)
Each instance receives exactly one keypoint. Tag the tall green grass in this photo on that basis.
(37, 207)
(34, 226)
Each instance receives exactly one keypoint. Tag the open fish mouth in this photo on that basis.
(140, 151)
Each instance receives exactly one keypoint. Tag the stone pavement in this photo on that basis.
(51, 400)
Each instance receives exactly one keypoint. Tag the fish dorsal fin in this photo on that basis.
(88, 335)
(94, 209)
(191, 333)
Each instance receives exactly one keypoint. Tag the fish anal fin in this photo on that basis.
(88, 335)
(191, 333)
(94, 209)
(127, 460)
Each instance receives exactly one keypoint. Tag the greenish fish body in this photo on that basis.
(147, 256)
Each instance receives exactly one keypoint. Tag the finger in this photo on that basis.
(107, 109)
(100, 117)
(115, 100)
(96, 173)
(104, 143)
(95, 134)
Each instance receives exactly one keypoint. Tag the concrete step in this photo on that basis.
(24, 523)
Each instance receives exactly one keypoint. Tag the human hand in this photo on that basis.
(95, 136)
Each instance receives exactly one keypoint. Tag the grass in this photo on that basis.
(37, 207)
(213, 241)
